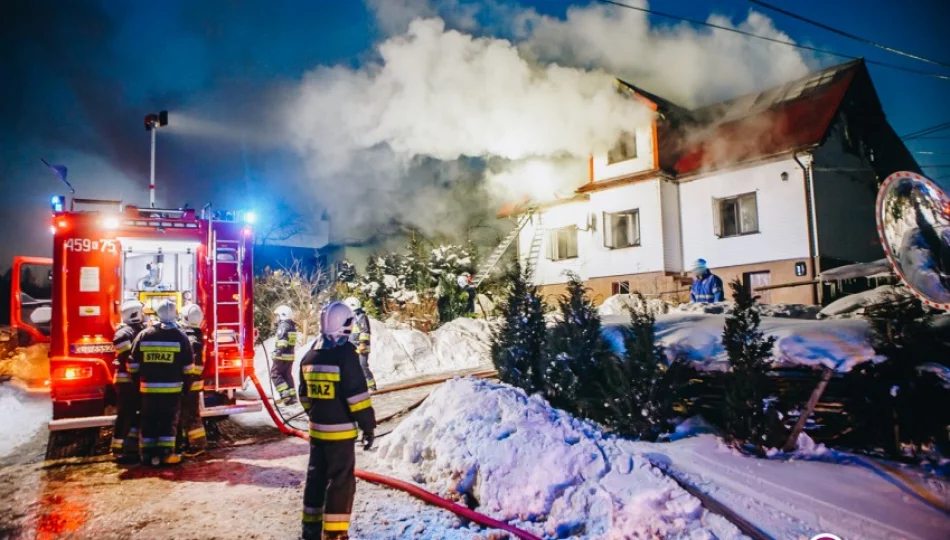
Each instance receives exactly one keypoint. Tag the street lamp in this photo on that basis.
(152, 123)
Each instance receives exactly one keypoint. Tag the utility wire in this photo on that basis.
(773, 40)
(766, 5)
(926, 131)
(940, 166)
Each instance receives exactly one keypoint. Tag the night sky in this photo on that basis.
(78, 77)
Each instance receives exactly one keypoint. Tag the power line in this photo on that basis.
(932, 153)
(940, 166)
(926, 131)
(765, 5)
(773, 40)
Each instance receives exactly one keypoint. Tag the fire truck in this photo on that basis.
(105, 254)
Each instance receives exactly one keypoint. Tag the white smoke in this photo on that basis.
(388, 141)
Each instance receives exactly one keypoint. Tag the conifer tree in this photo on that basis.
(577, 353)
(374, 286)
(518, 343)
(750, 414)
(641, 390)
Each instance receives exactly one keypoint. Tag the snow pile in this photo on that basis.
(876, 269)
(805, 448)
(619, 304)
(837, 344)
(520, 460)
(23, 416)
(853, 305)
(790, 311)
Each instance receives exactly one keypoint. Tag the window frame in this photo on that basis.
(608, 228)
(552, 252)
(719, 225)
(616, 287)
(625, 137)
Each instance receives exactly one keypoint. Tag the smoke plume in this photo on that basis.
(509, 100)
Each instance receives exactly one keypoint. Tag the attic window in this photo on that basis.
(625, 149)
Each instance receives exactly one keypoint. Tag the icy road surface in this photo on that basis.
(250, 487)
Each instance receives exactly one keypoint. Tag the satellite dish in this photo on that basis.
(913, 222)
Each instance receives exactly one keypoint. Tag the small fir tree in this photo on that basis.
(577, 354)
(518, 344)
(641, 389)
(418, 275)
(373, 286)
(750, 414)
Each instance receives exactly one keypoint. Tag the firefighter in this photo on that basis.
(282, 370)
(334, 394)
(191, 432)
(125, 438)
(361, 338)
(165, 358)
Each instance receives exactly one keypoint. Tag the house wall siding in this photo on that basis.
(672, 234)
(783, 228)
(845, 196)
(643, 162)
(547, 271)
(648, 256)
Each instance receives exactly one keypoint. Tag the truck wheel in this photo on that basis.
(72, 443)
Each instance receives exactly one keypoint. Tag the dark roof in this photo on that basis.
(664, 106)
(792, 116)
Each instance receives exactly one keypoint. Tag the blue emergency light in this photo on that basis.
(58, 202)
(250, 218)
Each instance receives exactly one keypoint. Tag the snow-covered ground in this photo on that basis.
(523, 461)
(836, 344)
(619, 304)
(22, 416)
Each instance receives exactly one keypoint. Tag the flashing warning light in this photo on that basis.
(247, 230)
(52, 230)
(250, 218)
(58, 202)
(110, 223)
(62, 223)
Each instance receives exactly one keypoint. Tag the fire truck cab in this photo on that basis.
(105, 254)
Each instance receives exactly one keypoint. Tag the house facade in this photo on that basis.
(769, 189)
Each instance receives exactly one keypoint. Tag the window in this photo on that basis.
(620, 287)
(626, 149)
(622, 229)
(562, 243)
(736, 216)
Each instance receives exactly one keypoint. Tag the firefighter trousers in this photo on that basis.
(331, 485)
(191, 431)
(159, 418)
(282, 374)
(125, 437)
(367, 372)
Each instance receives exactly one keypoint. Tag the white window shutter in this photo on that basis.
(608, 230)
(717, 218)
(635, 225)
(551, 239)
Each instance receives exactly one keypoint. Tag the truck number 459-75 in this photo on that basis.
(83, 245)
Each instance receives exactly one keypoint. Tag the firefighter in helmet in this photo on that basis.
(165, 359)
(125, 438)
(334, 394)
(282, 370)
(191, 432)
(361, 338)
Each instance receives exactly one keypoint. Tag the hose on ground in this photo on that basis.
(411, 489)
(273, 391)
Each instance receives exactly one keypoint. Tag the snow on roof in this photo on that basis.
(879, 268)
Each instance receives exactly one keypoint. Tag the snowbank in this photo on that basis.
(853, 305)
(520, 460)
(836, 344)
(23, 417)
(399, 352)
(618, 305)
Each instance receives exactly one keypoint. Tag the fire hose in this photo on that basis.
(411, 489)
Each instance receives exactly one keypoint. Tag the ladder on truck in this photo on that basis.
(227, 255)
(502, 248)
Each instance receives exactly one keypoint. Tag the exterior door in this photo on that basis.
(755, 280)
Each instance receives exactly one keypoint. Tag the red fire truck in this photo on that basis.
(105, 254)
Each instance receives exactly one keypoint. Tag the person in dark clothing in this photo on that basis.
(333, 392)
(282, 369)
(192, 440)
(164, 357)
(707, 287)
(361, 337)
(125, 437)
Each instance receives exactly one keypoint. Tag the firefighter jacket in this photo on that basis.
(286, 340)
(122, 343)
(334, 394)
(196, 339)
(362, 333)
(164, 358)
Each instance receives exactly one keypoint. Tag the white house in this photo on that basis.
(769, 188)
